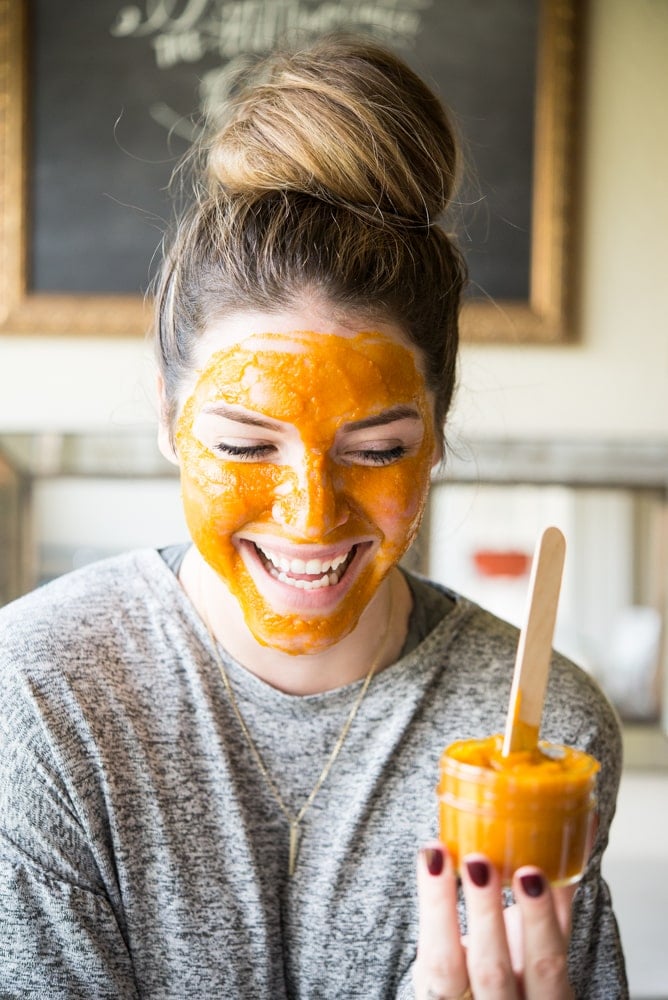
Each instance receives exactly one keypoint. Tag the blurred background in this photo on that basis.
(572, 432)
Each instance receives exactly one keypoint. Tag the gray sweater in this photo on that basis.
(141, 853)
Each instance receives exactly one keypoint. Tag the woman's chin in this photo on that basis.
(300, 637)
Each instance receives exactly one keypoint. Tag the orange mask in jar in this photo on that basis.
(305, 462)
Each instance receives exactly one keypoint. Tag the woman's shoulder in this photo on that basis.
(455, 621)
(81, 606)
(82, 652)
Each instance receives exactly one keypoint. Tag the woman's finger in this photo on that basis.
(490, 969)
(545, 939)
(563, 904)
(440, 967)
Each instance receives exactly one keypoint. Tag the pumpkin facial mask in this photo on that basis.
(305, 461)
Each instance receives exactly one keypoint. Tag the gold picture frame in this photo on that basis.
(545, 317)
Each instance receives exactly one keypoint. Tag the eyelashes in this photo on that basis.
(254, 452)
(243, 453)
(380, 457)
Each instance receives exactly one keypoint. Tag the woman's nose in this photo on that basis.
(309, 501)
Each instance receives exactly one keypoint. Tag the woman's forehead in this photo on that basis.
(286, 372)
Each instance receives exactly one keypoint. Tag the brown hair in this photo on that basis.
(328, 177)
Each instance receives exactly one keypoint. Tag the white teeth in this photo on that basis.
(325, 568)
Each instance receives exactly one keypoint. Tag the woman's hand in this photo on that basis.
(519, 952)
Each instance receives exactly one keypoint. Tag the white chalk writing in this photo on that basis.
(187, 31)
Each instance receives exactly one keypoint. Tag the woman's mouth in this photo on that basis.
(309, 574)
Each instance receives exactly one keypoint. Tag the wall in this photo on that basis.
(636, 868)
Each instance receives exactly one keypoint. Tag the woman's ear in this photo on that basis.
(438, 453)
(164, 437)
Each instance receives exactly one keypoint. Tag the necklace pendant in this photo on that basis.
(294, 845)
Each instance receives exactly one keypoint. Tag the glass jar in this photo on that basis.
(529, 808)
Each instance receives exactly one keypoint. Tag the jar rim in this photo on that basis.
(581, 768)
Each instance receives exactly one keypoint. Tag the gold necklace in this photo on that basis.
(295, 820)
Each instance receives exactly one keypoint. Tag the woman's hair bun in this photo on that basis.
(344, 121)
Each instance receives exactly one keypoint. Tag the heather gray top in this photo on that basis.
(141, 854)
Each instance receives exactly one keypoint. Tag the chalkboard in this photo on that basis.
(113, 94)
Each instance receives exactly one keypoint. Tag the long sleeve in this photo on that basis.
(596, 960)
(59, 935)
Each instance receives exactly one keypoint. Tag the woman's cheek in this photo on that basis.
(220, 499)
(392, 497)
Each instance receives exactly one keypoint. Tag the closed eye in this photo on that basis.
(376, 456)
(243, 453)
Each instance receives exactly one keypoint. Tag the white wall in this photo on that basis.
(636, 869)
(613, 382)
(74, 384)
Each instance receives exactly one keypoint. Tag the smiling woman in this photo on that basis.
(338, 480)
(217, 761)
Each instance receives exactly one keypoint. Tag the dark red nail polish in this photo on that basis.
(433, 857)
(532, 885)
(478, 873)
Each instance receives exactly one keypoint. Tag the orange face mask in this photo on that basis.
(305, 463)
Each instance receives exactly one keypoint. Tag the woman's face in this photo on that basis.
(305, 452)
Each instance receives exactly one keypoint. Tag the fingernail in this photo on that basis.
(478, 872)
(532, 885)
(433, 857)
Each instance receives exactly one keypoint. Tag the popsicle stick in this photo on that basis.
(534, 650)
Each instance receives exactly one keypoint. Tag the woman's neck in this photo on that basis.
(380, 633)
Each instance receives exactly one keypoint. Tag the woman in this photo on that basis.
(219, 760)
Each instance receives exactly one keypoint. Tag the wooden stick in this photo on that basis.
(534, 650)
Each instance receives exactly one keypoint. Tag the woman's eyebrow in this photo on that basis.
(400, 412)
(220, 410)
